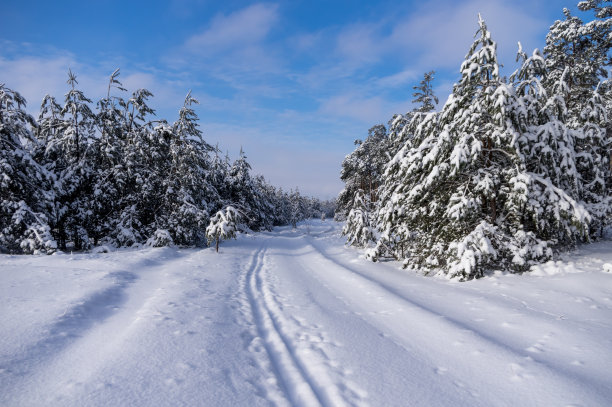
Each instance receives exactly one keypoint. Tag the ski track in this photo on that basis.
(292, 365)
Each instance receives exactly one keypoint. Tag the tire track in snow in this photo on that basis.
(291, 371)
(554, 375)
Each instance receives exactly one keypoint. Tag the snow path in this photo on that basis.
(294, 318)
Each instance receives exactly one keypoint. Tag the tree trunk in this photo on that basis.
(217, 244)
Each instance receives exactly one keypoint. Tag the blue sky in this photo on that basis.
(292, 82)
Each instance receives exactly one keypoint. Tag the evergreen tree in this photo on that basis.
(468, 202)
(545, 203)
(187, 194)
(358, 228)
(424, 95)
(296, 208)
(243, 194)
(593, 148)
(111, 177)
(579, 52)
(129, 175)
(25, 186)
(69, 156)
(223, 225)
(363, 168)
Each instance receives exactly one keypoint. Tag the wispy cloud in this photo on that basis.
(234, 32)
(360, 44)
(439, 35)
(235, 42)
(400, 78)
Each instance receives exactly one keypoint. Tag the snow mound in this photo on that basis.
(551, 268)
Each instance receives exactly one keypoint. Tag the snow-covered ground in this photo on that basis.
(292, 317)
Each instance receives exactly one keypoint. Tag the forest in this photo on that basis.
(80, 175)
(509, 172)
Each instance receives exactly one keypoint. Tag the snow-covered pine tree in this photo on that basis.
(403, 127)
(363, 168)
(68, 154)
(424, 96)
(219, 176)
(223, 226)
(243, 193)
(128, 171)
(543, 205)
(405, 133)
(459, 176)
(283, 211)
(296, 208)
(358, 228)
(111, 177)
(266, 203)
(187, 193)
(25, 186)
(593, 148)
(579, 52)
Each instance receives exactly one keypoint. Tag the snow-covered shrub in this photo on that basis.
(160, 238)
(223, 226)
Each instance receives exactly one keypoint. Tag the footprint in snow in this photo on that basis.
(441, 370)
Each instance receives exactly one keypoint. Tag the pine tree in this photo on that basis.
(358, 228)
(579, 52)
(243, 194)
(296, 208)
(593, 148)
(363, 168)
(187, 194)
(111, 177)
(490, 183)
(424, 95)
(544, 204)
(25, 186)
(127, 161)
(223, 225)
(67, 135)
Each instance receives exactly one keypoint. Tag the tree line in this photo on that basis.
(80, 175)
(508, 172)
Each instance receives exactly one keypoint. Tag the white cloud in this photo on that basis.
(367, 110)
(34, 77)
(439, 35)
(360, 44)
(234, 50)
(239, 30)
(397, 79)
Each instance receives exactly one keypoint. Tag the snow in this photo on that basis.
(293, 317)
